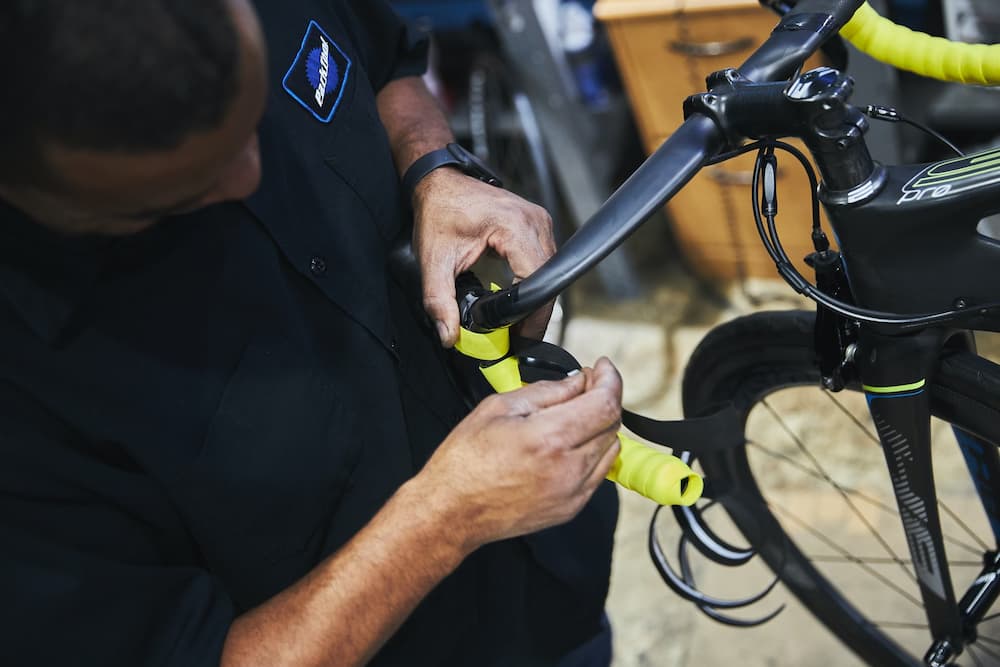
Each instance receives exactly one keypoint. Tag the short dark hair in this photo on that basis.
(120, 75)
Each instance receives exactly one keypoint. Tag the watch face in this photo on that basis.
(473, 166)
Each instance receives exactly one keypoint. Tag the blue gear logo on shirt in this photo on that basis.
(318, 75)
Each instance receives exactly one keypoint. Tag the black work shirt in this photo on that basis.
(193, 417)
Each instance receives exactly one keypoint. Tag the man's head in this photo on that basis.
(120, 112)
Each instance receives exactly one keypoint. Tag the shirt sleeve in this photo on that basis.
(65, 607)
(86, 577)
(395, 49)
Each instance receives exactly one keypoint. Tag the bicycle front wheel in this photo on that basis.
(811, 493)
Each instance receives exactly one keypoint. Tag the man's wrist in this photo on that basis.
(434, 180)
(443, 519)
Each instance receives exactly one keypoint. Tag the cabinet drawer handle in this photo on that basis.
(728, 177)
(702, 49)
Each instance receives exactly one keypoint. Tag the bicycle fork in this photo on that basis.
(895, 372)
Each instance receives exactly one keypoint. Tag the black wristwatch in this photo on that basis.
(450, 155)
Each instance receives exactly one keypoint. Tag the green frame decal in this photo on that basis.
(895, 389)
(953, 176)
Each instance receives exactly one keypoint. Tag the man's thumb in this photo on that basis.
(439, 302)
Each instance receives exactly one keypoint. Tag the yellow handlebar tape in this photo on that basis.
(933, 57)
(655, 475)
(483, 346)
(659, 476)
(503, 376)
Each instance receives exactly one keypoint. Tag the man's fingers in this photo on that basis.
(605, 374)
(593, 451)
(525, 253)
(540, 395)
(439, 299)
(598, 408)
(580, 419)
(603, 465)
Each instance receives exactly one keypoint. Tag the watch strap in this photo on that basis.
(451, 155)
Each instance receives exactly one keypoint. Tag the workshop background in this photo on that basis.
(565, 98)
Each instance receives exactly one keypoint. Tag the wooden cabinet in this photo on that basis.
(664, 50)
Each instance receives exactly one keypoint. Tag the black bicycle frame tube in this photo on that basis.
(913, 246)
(982, 458)
(799, 34)
(894, 372)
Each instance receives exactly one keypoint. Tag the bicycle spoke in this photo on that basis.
(894, 511)
(990, 617)
(988, 640)
(819, 468)
(974, 658)
(850, 558)
(873, 437)
(964, 526)
(900, 625)
(881, 560)
(872, 560)
(888, 509)
(850, 415)
(989, 652)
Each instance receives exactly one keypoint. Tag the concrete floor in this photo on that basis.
(650, 340)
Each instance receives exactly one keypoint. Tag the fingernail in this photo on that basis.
(575, 371)
(442, 331)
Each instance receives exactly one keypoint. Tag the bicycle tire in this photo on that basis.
(749, 359)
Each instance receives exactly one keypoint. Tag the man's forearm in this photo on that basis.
(413, 120)
(348, 606)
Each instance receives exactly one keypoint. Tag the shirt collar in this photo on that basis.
(45, 275)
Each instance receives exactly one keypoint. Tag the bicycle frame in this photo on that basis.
(922, 216)
(894, 372)
(888, 222)
(926, 217)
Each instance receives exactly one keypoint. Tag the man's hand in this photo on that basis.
(528, 459)
(456, 219)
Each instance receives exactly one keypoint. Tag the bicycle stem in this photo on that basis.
(799, 34)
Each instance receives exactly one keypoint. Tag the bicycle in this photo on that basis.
(896, 305)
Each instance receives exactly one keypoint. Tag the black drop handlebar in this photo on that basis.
(797, 36)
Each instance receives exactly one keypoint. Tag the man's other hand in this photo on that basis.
(528, 459)
(456, 219)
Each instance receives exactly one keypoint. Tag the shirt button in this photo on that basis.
(317, 265)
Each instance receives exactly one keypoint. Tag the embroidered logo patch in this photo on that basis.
(317, 78)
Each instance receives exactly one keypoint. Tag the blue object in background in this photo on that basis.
(583, 48)
(445, 14)
(913, 14)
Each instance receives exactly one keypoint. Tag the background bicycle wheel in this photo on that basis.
(650, 343)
